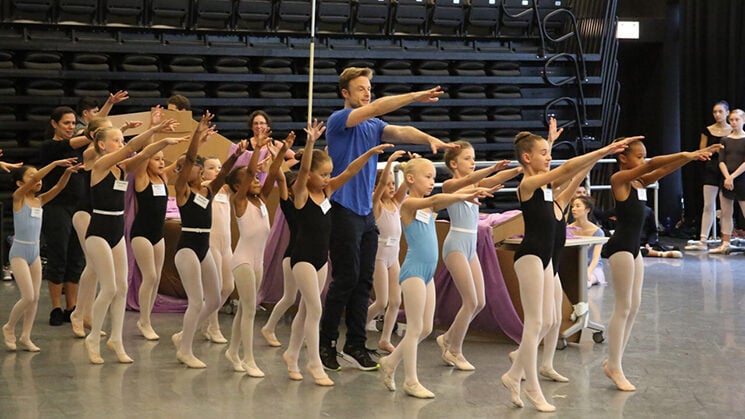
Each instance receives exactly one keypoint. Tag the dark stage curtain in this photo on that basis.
(713, 64)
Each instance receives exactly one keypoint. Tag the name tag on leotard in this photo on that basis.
(201, 201)
(391, 241)
(325, 206)
(120, 185)
(548, 195)
(36, 212)
(423, 216)
(264, 212)
(641, 193)
(159, 189)
(222, 198)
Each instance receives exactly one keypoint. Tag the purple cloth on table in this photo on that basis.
(499, 315)
(163, 303)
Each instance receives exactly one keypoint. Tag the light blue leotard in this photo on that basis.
(421, 255)
(27, 230)
(464, 222)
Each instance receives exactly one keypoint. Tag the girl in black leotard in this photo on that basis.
(148, 246)
(712, 176)
(104, 240)
(194, 262)
(622, 250)
(312, 189)
(732, 165)
(533, 258)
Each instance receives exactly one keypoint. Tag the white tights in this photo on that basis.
(247, 282)
(28, 280)
(419, 304)
(554, 327)
(150, 261)
(222, 259)
(728, 210)
(306, 323)
(110, 267)
(710, 208)
(469, 279)
(387, 297)
(201, 283)
(289, 296)
(628, 278)
(537, 298)
(87, 283)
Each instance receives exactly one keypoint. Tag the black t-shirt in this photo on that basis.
(52, 150)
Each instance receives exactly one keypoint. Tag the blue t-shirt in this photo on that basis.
(345, 145)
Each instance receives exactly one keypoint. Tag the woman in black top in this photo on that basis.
(732, 165)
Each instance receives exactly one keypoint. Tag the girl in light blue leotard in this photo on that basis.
(418, 218)
(24, 253)
(459, 247)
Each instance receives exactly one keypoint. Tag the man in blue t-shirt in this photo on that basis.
(354, 236)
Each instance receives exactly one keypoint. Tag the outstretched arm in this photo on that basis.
(182, 181)
(381, 186)
(113, 99)
(139, 160)
(442, 200)
(40, 174)
(399, 134)
(389, 104)
(474, 177)
(300, 187)
(276, 166)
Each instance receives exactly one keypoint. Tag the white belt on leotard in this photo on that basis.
(463, 230)
(112, 213)
(23, 241)
(393, 240)
(195, 230)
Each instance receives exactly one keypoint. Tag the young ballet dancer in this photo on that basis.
(533, 258)
(221, 246)
(285, 181)
(732, 165)
(628, 186)
(24, 252)
(582, 207)
(104, 240)
(418, 220)
(148, 244)
(712, 176)
(459, 247)
(249, 205)
(194, 262)
(312, 190)
(386, 208)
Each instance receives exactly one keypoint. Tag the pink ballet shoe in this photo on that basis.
(94, 354)
(118, 349)
(321, 378)
(235, 361)
(540, 405)
(389, 373)
(215, 336)
(551, 374)
(443, 349)
(252, 370)
(190, 361)
(147, 331)
(459, 361)
(514, 389)
(78, 326)
(618, 378)
(270, 338)
(9, 337)
(27, 345)
(293, 372)
(419, 391)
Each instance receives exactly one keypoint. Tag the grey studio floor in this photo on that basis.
(686, 355)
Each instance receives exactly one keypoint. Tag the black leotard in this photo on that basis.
(104, 198)
(560, 238)
(313, 235)
(194, 216)
(151, 214)
(712, 173)
(733, 155)
(540, 228)
(629, 221)
(289, 211)
(84, 202)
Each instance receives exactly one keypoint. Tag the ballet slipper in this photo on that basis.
(618, 378)
(215, 336)
(9, 337)
(551, 374)
(118, 349)
(235, 360)
(417, 390)
(513, 355)
(87, 325)
(321, 378)
(459, 361)
(190, 361)
(292, 370)
(270, 338)
(514, 388)
(443, 349)
(252, 370)
(176, 339)
(147, 331)
(94, 354)
(389, 373)
(78, 326)
(540, 403)
(386, 346)
(27, 345)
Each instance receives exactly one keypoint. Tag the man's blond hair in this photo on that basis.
(351, 73)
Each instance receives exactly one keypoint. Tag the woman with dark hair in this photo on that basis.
(259, 121)
(712, 134)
